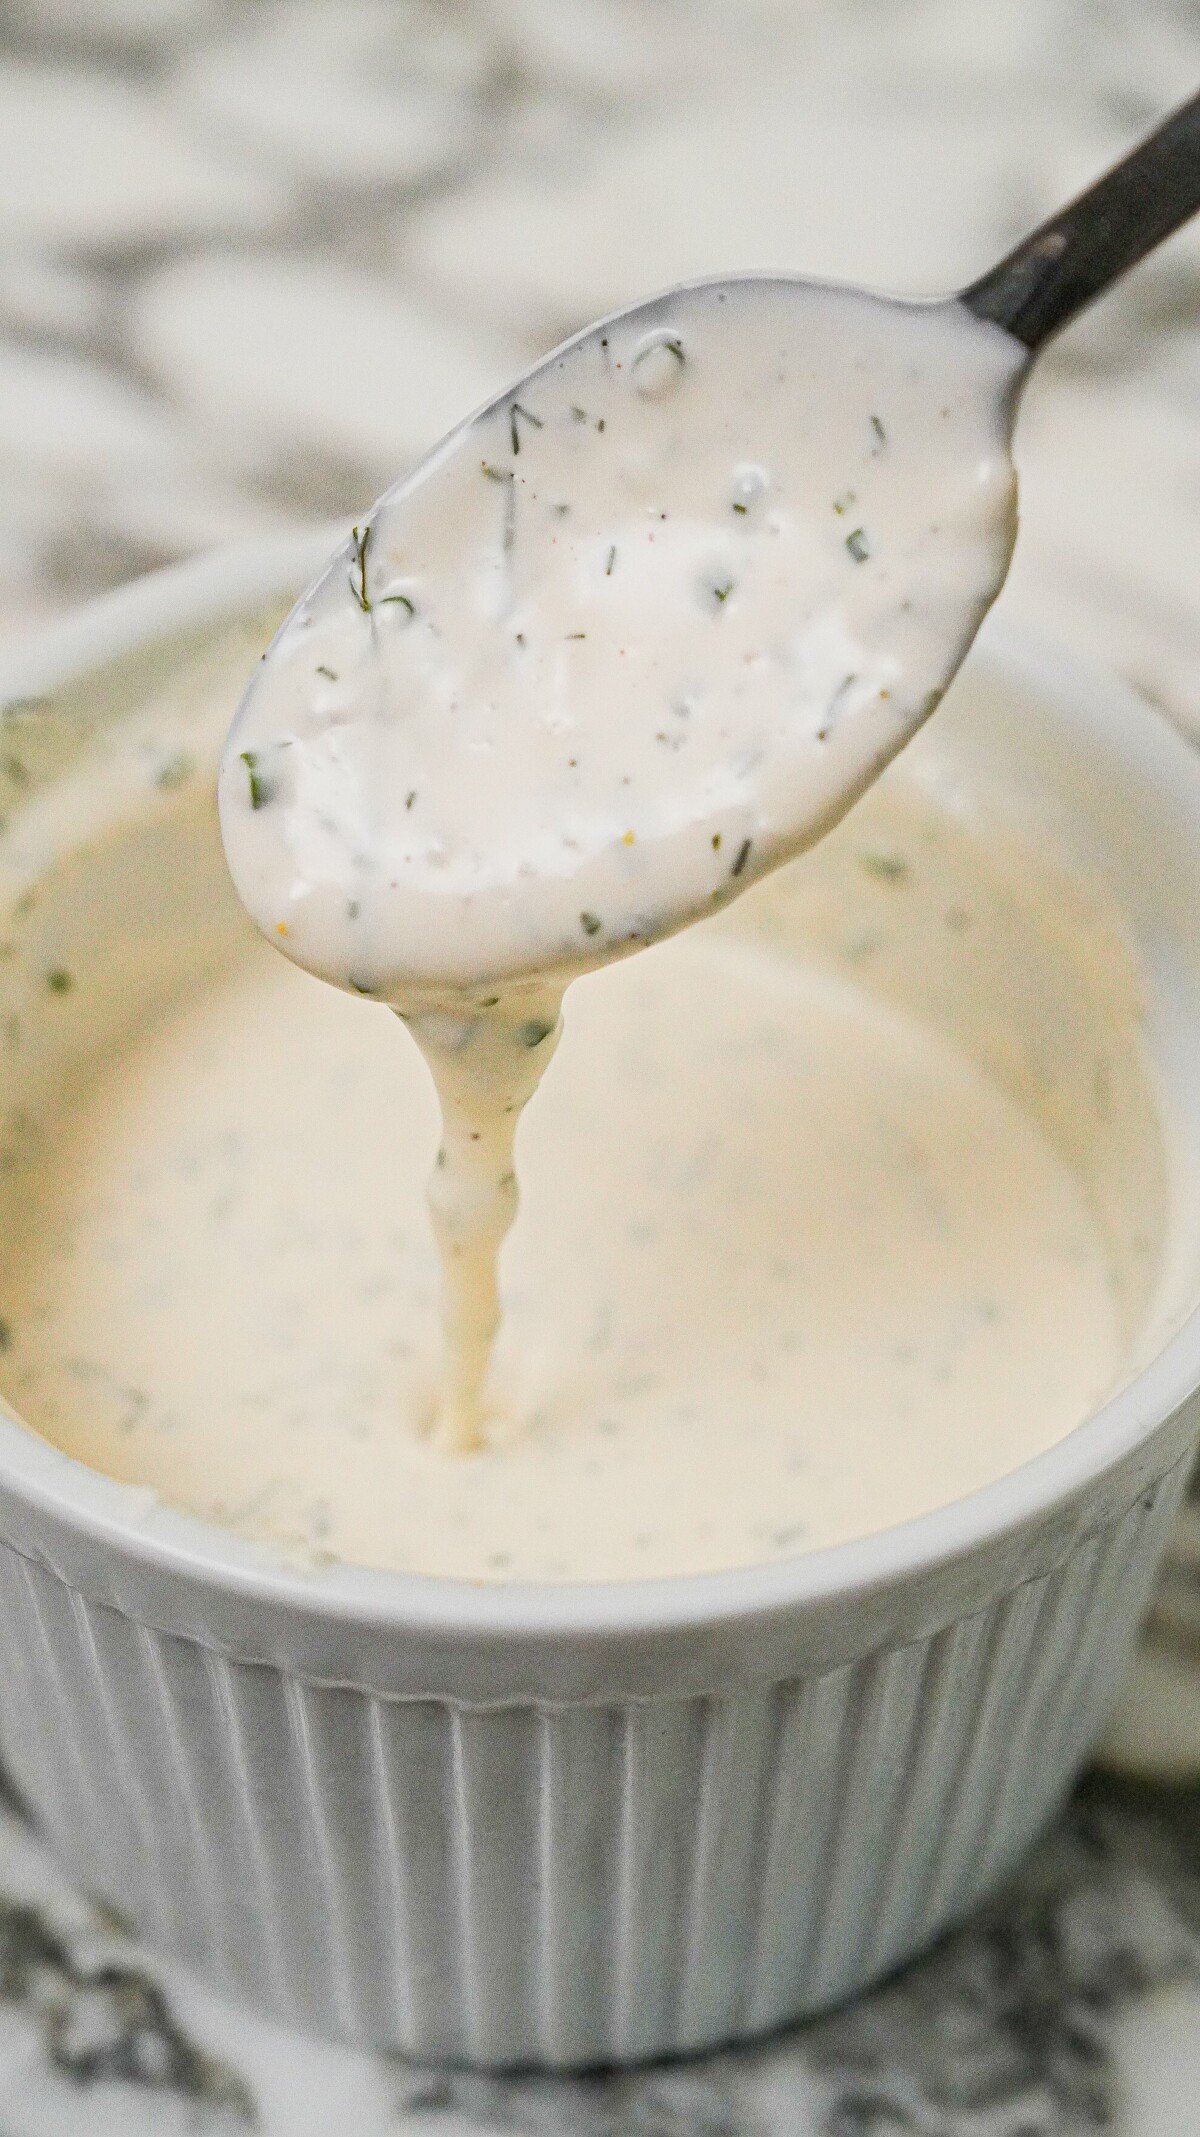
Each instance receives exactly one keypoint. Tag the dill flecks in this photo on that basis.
(743, 855)
(399, 601)
(59, 980)
(328, 673)
(842, 504)
(879, 430)
(721, 593)
(534, 1032)
(612, 558)
(513, 430)
(506, 476)
(174, 771)
(260, 791)
(361, 539)
(410, 797)
(590, 923)
(885, 867)
(740, 508)
(858, 545)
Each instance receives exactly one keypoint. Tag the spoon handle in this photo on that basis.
(1074, 256)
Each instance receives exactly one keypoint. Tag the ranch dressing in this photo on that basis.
(623, 644)
(823, 1224)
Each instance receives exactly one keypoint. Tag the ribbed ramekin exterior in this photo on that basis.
(560, 1884)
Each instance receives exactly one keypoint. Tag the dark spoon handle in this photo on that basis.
(1072, 258)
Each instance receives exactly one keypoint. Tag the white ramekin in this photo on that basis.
(570, 1825)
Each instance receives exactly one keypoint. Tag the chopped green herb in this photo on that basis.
(410, 797)
(361, 539)
(590, 923)
(578, 414)
(441, 1157)
(515, 411)
(740, 508)
(353, 909)
(59, 980)
(716, 841)
(260, 788)
(19, 708)
(885, 867)
(5, 1335)
(399, 601)
(612, 558)
(174, 771)
(834, 707)
(879, 430)
(600, 423)
(576, 634)
(490, 1001)
(743, 855)
(858, 545)
(534, 1032)
(843, 504)
(505, 475)
(328, 673)
(721, 593)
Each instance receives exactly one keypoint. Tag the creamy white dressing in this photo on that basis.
(815, 1235)
(627, 641)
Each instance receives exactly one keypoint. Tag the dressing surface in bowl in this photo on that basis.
(836, 1207)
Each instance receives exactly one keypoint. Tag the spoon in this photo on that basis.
(648, 622)
(635, 633)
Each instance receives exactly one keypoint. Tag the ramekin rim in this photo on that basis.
(217, 588)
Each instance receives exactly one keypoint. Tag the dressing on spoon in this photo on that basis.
(639, 631)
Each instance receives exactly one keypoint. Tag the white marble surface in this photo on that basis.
(252, 259)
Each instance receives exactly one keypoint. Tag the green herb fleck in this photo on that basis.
(879, 430)
(716, 842)
(59, 980)
(743, 855)
(576, 634)
(842, 505)
(174, 771)
(534, 1032)
(506, 476)
(328, 673)
(858, 545)
(5, 1335)
(612, 558)
(722, 593)
(361, 539)
(590, 923)
(260, 788)
(739, 508)
(515, 411)
(410, 797)
(885, 867)
(399, 601)
(578, 414)
(19, 708)
(353, 908)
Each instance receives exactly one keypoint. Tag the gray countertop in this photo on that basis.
(253, 259)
